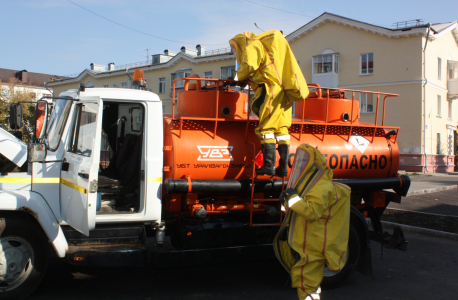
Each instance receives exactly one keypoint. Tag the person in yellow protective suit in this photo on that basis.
(316, 226)
(268, 63)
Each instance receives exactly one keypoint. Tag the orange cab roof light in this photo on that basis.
(139, 79)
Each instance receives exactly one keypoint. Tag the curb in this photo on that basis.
(419, 230)
(433, 190)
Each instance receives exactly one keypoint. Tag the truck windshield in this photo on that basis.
(57, 123)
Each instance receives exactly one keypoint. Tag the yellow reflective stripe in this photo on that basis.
(15, 180)
(28, 180)
(46, 180)
(73, 186)
(155, 179)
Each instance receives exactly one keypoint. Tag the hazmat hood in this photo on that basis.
(13, 149)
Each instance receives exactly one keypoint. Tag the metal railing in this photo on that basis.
(410, 23)
(217, 52)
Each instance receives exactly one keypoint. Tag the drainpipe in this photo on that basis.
(424, 98)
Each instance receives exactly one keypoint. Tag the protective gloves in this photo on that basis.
(286, 195)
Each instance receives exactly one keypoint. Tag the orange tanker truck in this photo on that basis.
(112, 181)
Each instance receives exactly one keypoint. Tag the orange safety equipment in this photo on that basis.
(267, 61)
(316, 227)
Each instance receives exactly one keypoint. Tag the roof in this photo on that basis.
(170, 63)
(420, 30)
(442, 26)
(36, 79)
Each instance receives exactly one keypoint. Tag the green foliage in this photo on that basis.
(12, 92)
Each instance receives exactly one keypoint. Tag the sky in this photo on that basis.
(62, 38)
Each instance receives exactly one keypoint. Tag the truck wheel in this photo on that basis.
(332, 280)
(24, 255)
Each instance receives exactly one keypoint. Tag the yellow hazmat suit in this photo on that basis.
(316, 227)
(267, 61)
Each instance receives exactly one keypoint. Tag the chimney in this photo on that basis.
(170, 52)
(21, 75)
(200, 50)
(24, 75)
(111, 67)
(97, 67)
(188, 51)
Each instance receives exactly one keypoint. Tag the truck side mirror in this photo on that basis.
(15, 116)
(41, 118)
(36, 152)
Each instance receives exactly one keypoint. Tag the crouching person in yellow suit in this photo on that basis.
(267, 62)
(316, 226)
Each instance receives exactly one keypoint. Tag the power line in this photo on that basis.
(279, 9)
(138, 31)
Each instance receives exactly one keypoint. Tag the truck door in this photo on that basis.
(79, 175)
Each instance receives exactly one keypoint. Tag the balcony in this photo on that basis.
(452, 86)
(452, 79)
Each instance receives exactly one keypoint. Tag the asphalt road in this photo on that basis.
(426, 271)
(443, 203)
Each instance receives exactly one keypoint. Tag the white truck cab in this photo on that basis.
(95, 153)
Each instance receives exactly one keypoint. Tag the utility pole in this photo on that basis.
(147, 53)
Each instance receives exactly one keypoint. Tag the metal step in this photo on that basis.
(115, 255)
(106, 234)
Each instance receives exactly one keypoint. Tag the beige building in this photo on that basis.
(159, 72)
(334, 51)
(417, 62)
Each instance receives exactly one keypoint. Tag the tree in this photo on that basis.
(12, 92)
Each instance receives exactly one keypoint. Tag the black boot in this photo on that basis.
(268, 166)
(282, 169)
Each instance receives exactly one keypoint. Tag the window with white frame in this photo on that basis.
(183, 73)
(366, 64)
(366, 103)
(162, 85)
(327, 63)
(450, 109)
(439, 68)
(124, 85)
(227, 72)
(439, 105)
(208, 75)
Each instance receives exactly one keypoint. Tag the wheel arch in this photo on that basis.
(32, 206)
(359, 223)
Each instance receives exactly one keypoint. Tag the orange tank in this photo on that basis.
(210, 136)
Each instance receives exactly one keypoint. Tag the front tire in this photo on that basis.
(24, 256)
(332, 280)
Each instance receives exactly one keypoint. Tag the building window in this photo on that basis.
(105, 86)
(161, 85)
(328, 63)
(163, 109)
(439, 67)
(367, 64)
(366, 103)
(183, 73)
(438, 105)
(124, 85)
(438, 146)
(208, 75)
(115, 86)
(450, 109)
(227, 72)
